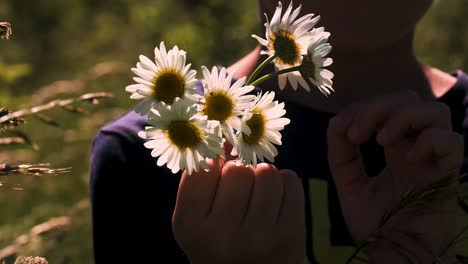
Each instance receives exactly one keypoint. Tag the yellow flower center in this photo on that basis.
(168, 85)
(184, 134)
(218, 106)
(285, 46)
(257, 125)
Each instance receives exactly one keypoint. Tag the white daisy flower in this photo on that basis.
(164, 80)
(224, 101)
(180, 137)
(265, 121)
(288, 38)
(313, 63)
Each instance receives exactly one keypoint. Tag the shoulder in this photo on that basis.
(456, 98)
(118, 140)
(123, 129)
(125, 126)
(462, 80)
(118, 153)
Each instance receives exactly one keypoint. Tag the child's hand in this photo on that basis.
(237, 214)
(420, 148)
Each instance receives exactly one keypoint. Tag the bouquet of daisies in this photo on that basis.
(186, 127)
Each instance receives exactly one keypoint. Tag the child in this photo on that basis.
(134, 200)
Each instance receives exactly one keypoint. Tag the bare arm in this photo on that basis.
(246, 65)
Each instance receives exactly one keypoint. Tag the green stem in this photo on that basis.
(274, 74)
(260, 68)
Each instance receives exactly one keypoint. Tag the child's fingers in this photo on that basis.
(266, 198)
(441, 145)
(414, 117)
(344, 158)
(373, 114)
(233, 194)
(291, 227)
(291, 214)
(197, 191)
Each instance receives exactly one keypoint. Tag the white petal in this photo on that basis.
(293, 80)
(262, 41)
(190, 161)
(222, 78)
(327, 62)
(303, 84)
(183, 160)
(241, 90)
(245, 129)
(204, 165)
(275, 20)
(282, 81)
(134, 87)
(254, 160)
(174, 166)
(285, 19)
(148, 63)
(273, 137)
(137, 96)
(326, 74)
(143, 81)
(235, 122)
(143, 74)
(158, 151)
(294, 14)
(164, 158)
(229, 133)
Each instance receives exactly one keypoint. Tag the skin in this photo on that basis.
(368, 44)
(237, 214)
(372, 41)
(413, 160)
(257, 216)
(349, 20)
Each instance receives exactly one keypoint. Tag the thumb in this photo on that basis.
(344, 157)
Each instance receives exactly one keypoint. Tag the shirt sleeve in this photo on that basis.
(462, 127)
(132, 204)
(464, 169)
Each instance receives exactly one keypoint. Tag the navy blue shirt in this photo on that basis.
(133, 199)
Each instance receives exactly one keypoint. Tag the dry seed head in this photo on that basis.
(31, 260)
(5, 30)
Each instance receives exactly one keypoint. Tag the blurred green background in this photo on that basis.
(61, 49)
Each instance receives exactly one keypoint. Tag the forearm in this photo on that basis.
(246, 65)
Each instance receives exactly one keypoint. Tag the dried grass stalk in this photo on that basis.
(40, 169)
(92, 98)
(10, 122)
(54, 228)
(12, 140)
(5, 30)
(31, 260)
(420, 200)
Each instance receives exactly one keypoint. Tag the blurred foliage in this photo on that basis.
(61, 38)
(10, 73)
(442, 38)
(53, 52)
